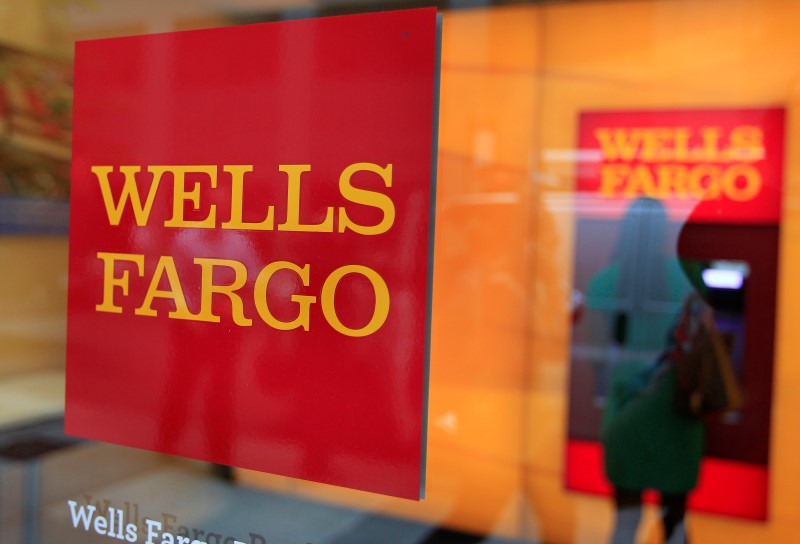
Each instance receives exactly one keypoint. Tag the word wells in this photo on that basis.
(130, 195)
(284, 293)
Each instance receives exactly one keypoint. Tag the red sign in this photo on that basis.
(729, 160)
(249, 246)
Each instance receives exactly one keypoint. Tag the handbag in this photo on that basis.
(705, 379)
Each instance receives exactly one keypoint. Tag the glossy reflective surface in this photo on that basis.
(249, 246)
(510, 244)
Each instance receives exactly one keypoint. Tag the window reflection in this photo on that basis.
(542, 293)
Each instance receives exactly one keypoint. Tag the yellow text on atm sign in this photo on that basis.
(705, 163)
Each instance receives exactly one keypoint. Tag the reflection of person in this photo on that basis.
(180, 420)
(647, 445)
(631, 302)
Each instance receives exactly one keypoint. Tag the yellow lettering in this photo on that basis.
(619, 143)
(208, 288)
(641, 182)
(656, 144)
(380, 312)
(671, 180)
(166, 266)
(682, 135)
(366, 198)
(705, 191)
(612, 177)
(747, 143)
(711, 139)
(130, 192)
(110, 281)
(181, 195)
(237, 173)
(752, 182)
(304, 301)
(294, 173)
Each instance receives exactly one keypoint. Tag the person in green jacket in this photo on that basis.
(647, 445)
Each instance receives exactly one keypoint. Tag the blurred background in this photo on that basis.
(517, 382)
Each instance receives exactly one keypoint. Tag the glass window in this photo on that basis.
(613, 310)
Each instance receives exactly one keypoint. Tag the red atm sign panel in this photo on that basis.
(249, 246)
(730, 161)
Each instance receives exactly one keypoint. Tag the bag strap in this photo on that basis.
(724, 365)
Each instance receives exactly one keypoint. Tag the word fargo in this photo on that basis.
(250, 246)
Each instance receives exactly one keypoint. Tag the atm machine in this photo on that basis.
(632, 253)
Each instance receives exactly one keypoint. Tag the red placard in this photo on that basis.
(249, 246)
(729, 160)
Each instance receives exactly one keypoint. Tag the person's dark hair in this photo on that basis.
(642, 255)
